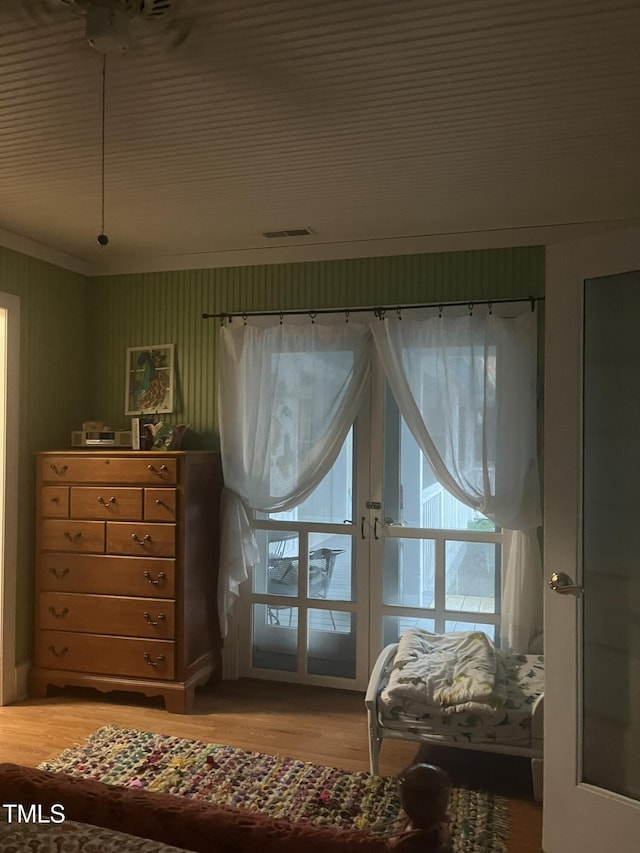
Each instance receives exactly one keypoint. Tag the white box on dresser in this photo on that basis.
(126, 575)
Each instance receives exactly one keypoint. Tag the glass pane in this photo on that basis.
(275, 637)
(331, 643)
(489, 630)
(276, 572)
(412, 496)
(331, 502)
(330, 567)
(393, 626)
(409, 572)
(470, 571)
(611, 535)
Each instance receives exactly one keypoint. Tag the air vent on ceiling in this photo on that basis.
(288, 232)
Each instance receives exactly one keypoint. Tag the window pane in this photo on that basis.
(275, 637)
(470, 570)
(393, 626)
(330, 567)
(409, 572)
(412, 495)
(331, 643)
(331, 501)
(489, 630)
(276, 572)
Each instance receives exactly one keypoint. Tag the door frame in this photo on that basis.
(577, 818)
(9, 448)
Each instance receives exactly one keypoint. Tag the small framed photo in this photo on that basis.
(149, 380)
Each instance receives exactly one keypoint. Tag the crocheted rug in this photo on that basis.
(274, 785)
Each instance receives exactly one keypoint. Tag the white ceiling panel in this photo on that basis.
(363, 121)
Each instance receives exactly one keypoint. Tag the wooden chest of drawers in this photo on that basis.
(126, 578)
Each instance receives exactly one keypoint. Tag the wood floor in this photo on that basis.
(307, 723)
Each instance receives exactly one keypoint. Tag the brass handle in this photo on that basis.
(59, 471)
(60, 615)
(57, 653)
(161, 503)
(562, 583)
(102, 501)
(155, 662)
(157, 471)
(58, 575)
(160, 577)
(150, 621)
(54, 500)
(72, 537)
(142, 542)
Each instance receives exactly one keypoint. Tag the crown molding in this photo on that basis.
(27, 246)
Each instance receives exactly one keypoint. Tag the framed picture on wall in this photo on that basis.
(149, 380)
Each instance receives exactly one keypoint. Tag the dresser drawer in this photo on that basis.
(107, 614)
(93, 573)
(160, 504)
(152, 540)
(139, 470)
(74, 536)
(97, 653)
(54, 501)
(105, 502)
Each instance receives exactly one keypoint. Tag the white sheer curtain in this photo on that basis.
(466, 386)
(288, 395)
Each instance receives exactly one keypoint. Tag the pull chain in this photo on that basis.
(103, 240)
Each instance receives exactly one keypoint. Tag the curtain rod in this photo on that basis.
(378, 310)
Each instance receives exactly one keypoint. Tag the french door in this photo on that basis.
(378, 547)
(592, 640)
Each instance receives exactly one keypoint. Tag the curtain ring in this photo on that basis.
(490, 304)
(313, 315)
(346, 314)
(380, 312)
(471, 309)
(399, 313)
(244, 317)
(281, 316)
(440, 307)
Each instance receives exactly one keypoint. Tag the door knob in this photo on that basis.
(562, 583)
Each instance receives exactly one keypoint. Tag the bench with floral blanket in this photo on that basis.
(457, 689)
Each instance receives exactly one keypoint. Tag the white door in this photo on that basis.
(592, 525)
(378, 547)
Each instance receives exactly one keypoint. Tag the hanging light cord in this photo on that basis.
(102, 238)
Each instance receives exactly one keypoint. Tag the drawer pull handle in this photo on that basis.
(142, 542)
(60, 471)
(58, 575)
(60, 615)
(161, 503)
(155, 662)
(157, 471)
(72, 537)
(102, 501)
(54, 500)
(57, 653)
(150, 621)
(156, 581)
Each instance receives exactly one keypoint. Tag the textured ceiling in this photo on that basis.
(360, 120)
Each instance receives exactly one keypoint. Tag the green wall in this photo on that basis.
(75, 332)
(158, 308)
(54, 389)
